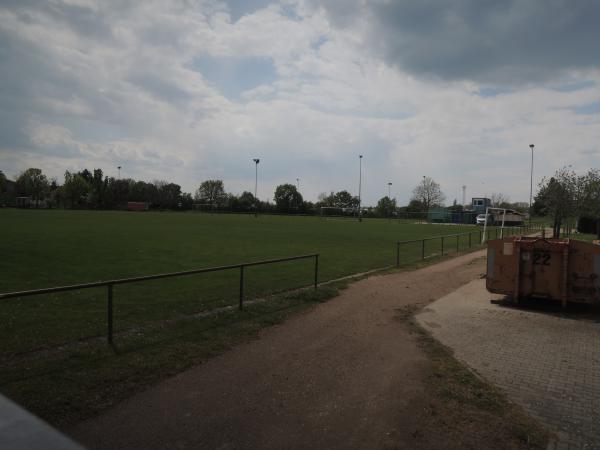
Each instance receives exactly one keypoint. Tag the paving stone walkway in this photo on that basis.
(546, 360)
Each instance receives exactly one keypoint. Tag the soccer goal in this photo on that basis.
(491, 217)
(335, 211)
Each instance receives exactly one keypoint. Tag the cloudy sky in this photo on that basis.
(194, 89)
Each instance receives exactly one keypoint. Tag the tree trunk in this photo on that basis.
(556, 230)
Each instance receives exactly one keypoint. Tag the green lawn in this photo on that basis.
(584, 237)
(55, 247)
(49, 248)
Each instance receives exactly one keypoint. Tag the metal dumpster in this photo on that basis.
(534, 267)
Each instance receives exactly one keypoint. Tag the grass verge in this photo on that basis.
(471, 411)
(77, 382)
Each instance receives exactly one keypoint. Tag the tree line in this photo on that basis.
(564, 196)
(91, 189)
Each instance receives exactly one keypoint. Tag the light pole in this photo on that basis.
(359, 185)
(390, 198)
(119, 176)
(298, 183)
(256, 161)
(531, 182)
(426, 199)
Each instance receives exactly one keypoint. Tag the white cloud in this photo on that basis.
(104, 84)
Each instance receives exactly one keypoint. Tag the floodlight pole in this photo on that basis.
(359, 186)
(119, 176)
(256, 161)
(389, 190)
(298, 183)
(531, 183)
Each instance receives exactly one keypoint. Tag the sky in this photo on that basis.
(191, 90)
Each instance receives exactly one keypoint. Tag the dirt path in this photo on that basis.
(346, 374)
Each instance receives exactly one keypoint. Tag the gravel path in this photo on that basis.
(346, 374)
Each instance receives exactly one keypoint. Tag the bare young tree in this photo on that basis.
(500, 200)
(428, 193)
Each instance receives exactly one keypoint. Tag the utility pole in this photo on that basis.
(464, 195)
(389, 190)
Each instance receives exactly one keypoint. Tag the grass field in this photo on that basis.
(65, 383)
(55, 247)
(584, 237)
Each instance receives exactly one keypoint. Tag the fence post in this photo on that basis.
(496, 233)
(480, 237)
(316, 270)
(442, 245)
(469, 239)
(423, 249)
(110, 314)
(397, 254)
(241, 287)
(457, 237)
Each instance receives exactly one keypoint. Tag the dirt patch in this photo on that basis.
(349, 373)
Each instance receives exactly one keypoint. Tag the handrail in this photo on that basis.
(110, 283)
(449, 235)
(519, 230)
(147, 277)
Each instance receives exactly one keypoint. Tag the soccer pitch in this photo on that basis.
(44, 248)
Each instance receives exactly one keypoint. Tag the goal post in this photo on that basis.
(337, 211)
(487, 214)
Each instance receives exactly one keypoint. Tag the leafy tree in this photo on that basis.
(169, 194)
(429, 194)
(343, 199)
(186, 201)
(120, 191)
(97, 186)
(76, 189)
(33, 183)
(414, 206)
(287, 197)
(140, 191)
(246, 201)
(456, 207)
(386, 206)
(2, 182)
(560, 197)
(325, 199)
(211, 191)
(4, 197)
(590, 197)
(87, 175)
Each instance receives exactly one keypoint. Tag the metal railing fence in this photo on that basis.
(110, 283)
(444, 240)
(447, 243)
